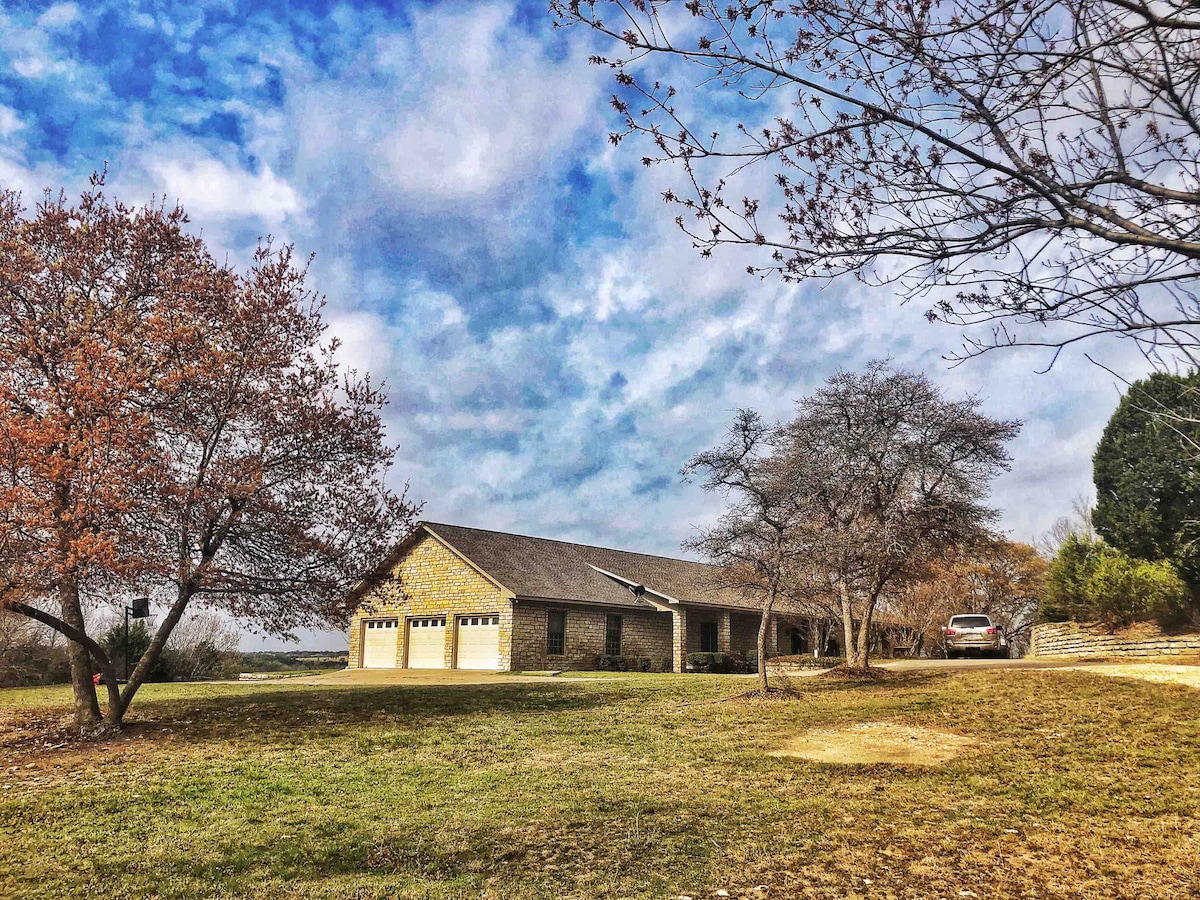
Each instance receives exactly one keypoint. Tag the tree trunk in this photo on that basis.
(862, 652)
(848, 646)
(87, 707)
(119, 703)
(763, 627)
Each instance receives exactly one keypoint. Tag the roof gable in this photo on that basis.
(426, 533)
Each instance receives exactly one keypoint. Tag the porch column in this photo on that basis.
(723, 632)
(679, 639)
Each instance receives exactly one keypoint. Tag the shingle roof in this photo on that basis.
(533, 567)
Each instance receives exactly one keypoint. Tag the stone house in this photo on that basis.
(455, 597)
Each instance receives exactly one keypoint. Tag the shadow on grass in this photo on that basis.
(458, 858)
(835, 681)
(290, 712)
(271, 716)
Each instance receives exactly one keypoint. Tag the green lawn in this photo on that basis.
(1076, 786)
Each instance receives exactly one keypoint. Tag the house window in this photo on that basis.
(612, 635)
(556, 632)
(708, 637)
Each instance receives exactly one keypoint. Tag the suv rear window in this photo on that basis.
(971, 622)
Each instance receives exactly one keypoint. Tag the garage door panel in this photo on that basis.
(427, 643)
(379, 643)
(478, 642)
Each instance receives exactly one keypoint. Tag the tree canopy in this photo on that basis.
(1147, 483)
(756, 541)
(850, 502)
(1089, 581)
(894, 477)
(1030, 171)
(172, 427)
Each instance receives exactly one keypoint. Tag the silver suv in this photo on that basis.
(973, 634)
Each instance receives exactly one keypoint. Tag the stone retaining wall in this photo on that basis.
(1078, 639)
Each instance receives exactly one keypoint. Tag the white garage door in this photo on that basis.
(379, 643)
(427, 643)
(479, 642)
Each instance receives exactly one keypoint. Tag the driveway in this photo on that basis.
(1162, 670)
(350, 677)
(950, 665)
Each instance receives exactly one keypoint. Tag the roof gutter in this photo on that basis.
(640, 591)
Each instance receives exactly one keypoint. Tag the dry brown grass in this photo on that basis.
(1071, 786)
(869, 743)
(1187, 674)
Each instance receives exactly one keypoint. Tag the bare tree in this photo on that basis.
(892, 477)
(1031, 168)
(1079, 523)
(752, 542)
(200, 645)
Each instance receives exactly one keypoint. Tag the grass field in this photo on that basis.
(1071, 785)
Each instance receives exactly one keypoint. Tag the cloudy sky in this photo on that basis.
(555, 348)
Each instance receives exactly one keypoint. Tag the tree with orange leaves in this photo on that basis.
(1001, 578)
(172, 427)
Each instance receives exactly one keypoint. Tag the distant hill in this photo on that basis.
(292, 660)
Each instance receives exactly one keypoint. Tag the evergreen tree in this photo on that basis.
(113, 642)
(1145, 471)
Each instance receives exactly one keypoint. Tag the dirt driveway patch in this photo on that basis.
(876, 742)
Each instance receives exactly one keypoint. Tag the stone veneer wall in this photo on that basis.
(643, 634)
(433, 581)
(743, 632)
(1143, 639)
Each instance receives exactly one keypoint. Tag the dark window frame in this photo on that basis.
(709, 637)
(556, 640)
(612, 637)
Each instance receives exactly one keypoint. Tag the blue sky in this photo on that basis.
(555, 348)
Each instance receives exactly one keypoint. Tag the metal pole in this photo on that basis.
(127, 644)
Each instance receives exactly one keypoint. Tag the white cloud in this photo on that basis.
(450, 112)
(10, 122)
(368, 344)
(27, 42)
(209, 189)
(59, 15)
(479, 120)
